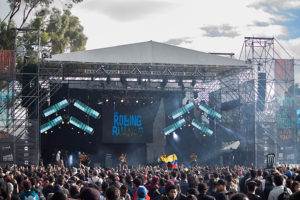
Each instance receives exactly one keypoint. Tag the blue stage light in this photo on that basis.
(81, 125)
(93, 113)
(210, 111)
(51, 124)
(56, 107)
(182, 110)
(201, 127)
(174, 126)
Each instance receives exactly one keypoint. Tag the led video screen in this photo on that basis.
(128, 123)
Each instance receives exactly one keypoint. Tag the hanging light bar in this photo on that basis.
(177, 113)
(201, 127)
(56, 107)
(210, 111)
(174, 126)
(93, 113)
(81, 125)
(51, 124)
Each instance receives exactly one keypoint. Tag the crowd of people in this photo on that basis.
(148, 182)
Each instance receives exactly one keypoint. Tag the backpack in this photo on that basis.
(285, 195)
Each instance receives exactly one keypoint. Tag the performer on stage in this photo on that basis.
(194, 159)
(123, 159)
(84, 159)
(57, 158)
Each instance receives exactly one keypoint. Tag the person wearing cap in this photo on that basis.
(137, 182)
(221, 190)
(231, 192)
(251, 187)
(203, 188)
(142, 193)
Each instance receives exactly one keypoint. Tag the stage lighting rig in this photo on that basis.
(181, 111)
(81, 125)
(51, 124)
(201, 127)
(81, 106)
(164, 82)
(210, 111)
(174, 126)
(56, 107)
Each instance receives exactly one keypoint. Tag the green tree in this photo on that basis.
(27, 6)
(62, 31)
(7, 35)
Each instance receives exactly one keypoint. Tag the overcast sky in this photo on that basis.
(205, 25)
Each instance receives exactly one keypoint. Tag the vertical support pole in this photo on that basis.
(37, 132)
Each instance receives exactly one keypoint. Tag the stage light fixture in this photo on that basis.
(180, 83)
(201, 127)
(164, 82)
(186, 108)
(56, 107)
(174, 126)
(122, 100)
(45, 127)
(123, 80)
(210, 111)
(106, 100)
(108, 80)
(137, 101)
(193, 83)
(195, 95)
(81, 106)
(139, 81)
(81, 125)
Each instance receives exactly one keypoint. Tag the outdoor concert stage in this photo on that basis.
(149, 80)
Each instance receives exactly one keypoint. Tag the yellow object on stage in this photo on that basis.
(170, 159)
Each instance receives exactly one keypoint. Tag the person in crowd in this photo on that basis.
(221, 190)
(129, 180)
(268, 186)
(137, 182)
(95, 179)
(279, 188)
(124, 193)
(88, 193)
(183, 183)
(231, 192)
(141, 193)
(251, 187)
(295, 186)
(202, 189)
(153, 187)
(173, 193)
(28, 193)
(239, 196)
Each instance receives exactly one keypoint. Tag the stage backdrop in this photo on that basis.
(128, 122)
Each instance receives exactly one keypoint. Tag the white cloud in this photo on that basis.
(224, 30)
(115, 22)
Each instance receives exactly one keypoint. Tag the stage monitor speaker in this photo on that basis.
(261, 91)
(108, 161)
